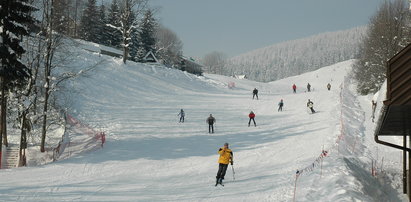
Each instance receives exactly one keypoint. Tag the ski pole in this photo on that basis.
(232, 167)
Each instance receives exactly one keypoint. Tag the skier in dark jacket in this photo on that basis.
(255, 93)
(181, 114)
(310, 105)
(329, 86)
(309, 87)
(280, 105)
(226, 157)
(211, 120)
(251, 116)
(294, 88)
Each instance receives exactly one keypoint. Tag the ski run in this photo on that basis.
(150, 156)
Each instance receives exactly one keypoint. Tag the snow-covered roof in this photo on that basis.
(150, 57)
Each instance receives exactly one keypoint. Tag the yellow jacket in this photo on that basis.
(225, 156)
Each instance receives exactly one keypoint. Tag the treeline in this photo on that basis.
(289, 58)
(129, 25)
(389, 31)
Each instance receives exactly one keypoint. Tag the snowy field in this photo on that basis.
(149, 156)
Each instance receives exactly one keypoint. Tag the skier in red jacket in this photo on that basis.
(294, 88)
(251, 116)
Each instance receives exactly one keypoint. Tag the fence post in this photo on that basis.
(295, 184)
(322, 157)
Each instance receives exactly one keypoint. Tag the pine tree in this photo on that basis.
(89, 22)
(61, 18)
(141, 53)
(134, 35)
(15, 15)
(147, 32)
(114, 35)
(102, 34)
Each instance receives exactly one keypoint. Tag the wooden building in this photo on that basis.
(395, 119)
(191, 66)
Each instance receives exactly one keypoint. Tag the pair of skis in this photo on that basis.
(219, 182)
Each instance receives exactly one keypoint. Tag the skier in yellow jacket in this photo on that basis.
(226, 156)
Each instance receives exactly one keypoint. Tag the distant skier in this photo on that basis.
(309, 87)
(226, 156)
(211, 120)
(251, 116)
(310, 105)
(294, 88)
(255, 93)
(280, 105)
(181, 114)
(329, 86)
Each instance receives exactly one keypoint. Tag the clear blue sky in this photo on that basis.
(238, 26)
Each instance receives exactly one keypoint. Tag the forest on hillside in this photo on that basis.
(296, 57)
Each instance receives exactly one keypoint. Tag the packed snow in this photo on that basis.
(149, 156)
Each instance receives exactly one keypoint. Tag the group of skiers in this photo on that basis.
(294, 87)
(211, 120)
(226, 154)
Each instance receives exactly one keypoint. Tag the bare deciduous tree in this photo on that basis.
(169, 48)
(215, 61)
(388, 33)
(130, 12)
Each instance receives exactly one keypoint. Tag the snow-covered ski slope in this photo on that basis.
(149, 156)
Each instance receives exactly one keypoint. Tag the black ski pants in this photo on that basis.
(210, 128)
(312, 109)
(250, 122)
(255, 95)
(280, 108)
(222, 169)
(182, 119)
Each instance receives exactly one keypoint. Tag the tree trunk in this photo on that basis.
(4, 114)
(125, 54)
(75, 19)
(1, 120)
(23, 139)
(47, 69)
(45, 109)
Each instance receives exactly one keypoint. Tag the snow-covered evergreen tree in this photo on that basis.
(141, 53)
(15, 15)
(90, 22)
(61, 17)
(103, 30)
(134, 36)
(129, 12)
(114, 35)
(147, 32)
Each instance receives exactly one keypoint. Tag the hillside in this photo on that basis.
(149, 156)
(296, 57)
